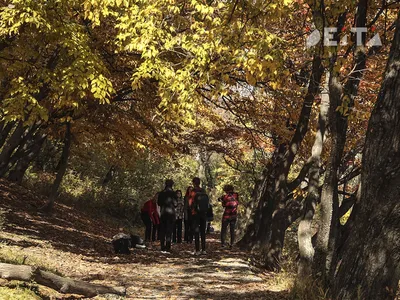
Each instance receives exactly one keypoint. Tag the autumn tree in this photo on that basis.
(369, 263)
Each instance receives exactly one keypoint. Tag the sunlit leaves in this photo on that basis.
(187, 45)
(49, 50)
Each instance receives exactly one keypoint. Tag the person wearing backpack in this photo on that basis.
(230, 202)
(167, 201)
(198, 203)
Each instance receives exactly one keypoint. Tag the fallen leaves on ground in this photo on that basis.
(75, 244)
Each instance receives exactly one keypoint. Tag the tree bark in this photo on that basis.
(327, 236)
(11, 144)
(17, 174)
(370, 268)
(20, 151)
(305, 234)
(109, 176)
(329, 195)
(5, 131)
(62, 284)
(265, 232)
(62, 167)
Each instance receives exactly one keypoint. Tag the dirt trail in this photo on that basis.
(77, 246)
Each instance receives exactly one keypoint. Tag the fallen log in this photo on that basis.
(62, 284)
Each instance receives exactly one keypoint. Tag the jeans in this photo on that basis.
(225, 223)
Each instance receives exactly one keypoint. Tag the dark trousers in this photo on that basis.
(188, 230)
(225, 223)
(147, 222)
(155, 234)
(177, 234)
(166, 228)
(199, 229)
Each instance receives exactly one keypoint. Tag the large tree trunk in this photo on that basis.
(275, 231)
(21, 150)
(328, 232)
(62, 167)
(12, 143)
(62, 284)
(266, 232)
(17, 174)
(370, 268)
(5, 131)
(329, 195)
(253, 213)
(305, 233)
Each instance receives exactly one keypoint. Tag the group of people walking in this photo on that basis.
(168, 211)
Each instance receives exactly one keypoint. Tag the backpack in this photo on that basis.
(201, 202)
(121, 243)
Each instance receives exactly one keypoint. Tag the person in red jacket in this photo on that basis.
(150, 218)
(230, 202)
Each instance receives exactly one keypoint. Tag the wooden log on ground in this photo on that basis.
(59, 283)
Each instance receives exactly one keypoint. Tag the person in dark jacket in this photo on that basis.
(199, 219)
(167, 201)
(230, 202)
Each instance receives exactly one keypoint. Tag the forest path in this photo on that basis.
(77, 245)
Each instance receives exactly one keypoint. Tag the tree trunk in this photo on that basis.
(11, 144)
(328, 233)
(62, 167)
(253, 213)
(264, 233)
(17, 174)
(329, 195)
(275, 232)
(305, 233)
(370, 268)
(5, 131)
(109, 176)
(62, 284)
(20, 151)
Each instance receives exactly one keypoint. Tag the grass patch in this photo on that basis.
(20, 292)
(308, 289)
(10, 255)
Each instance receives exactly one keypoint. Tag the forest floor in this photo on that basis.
(77, 245)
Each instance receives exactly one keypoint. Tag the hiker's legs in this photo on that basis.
(178, 223)
(162, 232)
(186, 234)
(190, 229)
(155, 233)
(203, 224)
(147, 222)
(232, 224)
(224, 227)
(169, 227)
(174, 231)
(196, 231)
